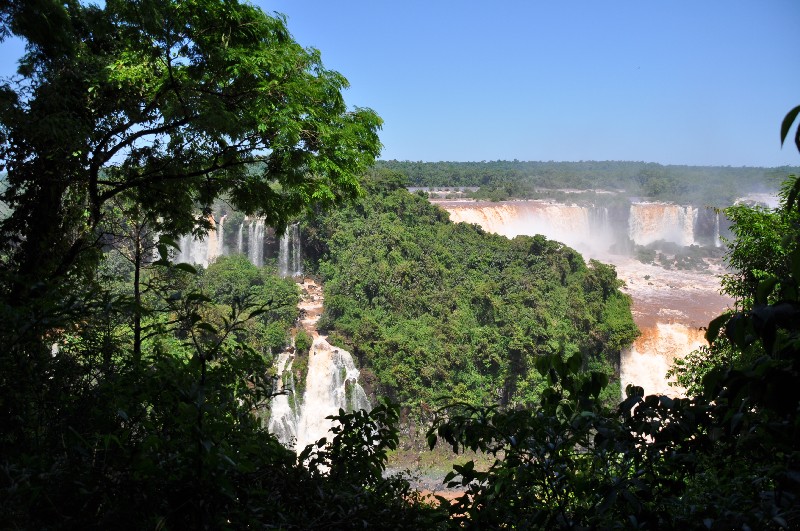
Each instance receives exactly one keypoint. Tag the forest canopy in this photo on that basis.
(499, 180)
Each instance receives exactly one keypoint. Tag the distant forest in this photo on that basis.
(500, 180)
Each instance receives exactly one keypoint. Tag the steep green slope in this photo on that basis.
(438, 310)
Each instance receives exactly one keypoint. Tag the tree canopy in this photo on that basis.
(501, 179)
(175, 103)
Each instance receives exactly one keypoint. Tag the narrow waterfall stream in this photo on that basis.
(331, 382)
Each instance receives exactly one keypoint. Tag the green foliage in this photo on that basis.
(175, 104)
(232, 281)
(728, 458)
(442, 310)
(131, 388)
(303, 341)
(761, 256)
(501, 180)
(560, 465)
(762, 248)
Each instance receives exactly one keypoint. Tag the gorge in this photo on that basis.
(669, 305)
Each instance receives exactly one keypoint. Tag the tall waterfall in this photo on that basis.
(255, 242)
(221, 235)
(290, 263)
(331, 384)
(283, 418)
(200, 250)
(240, 239)
(192, 251)
(650, 222)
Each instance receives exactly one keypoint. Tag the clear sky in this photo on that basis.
(702, 82)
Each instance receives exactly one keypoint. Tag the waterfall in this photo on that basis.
(650, 222)
(221, 236)
(587, 229)
(290, 262)
(212, 244)
(283, 255)
(331, 384)
(717, 240)
(193, 250)
(283, 406)
(200, 250)
(253, 238)
(255, 242)
(646, 362)
(297, 258)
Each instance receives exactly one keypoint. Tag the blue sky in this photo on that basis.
(680, 82)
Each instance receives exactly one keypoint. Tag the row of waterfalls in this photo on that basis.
(248, 236)
(596, 229)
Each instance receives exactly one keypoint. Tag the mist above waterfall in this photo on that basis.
(587, 229)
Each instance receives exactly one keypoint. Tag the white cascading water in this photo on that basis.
(255, 241)
(204, 251)
(331, 383)
(191, 251)
(290, 263)
(586, 229)
(717, 239)
(283, 406)
(200, 251)
(221, 236)
(297, 256)
(646, 362)
(650, 222)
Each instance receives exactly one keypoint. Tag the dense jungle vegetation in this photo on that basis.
(131, 387)
(441, 310)
(501, 180)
